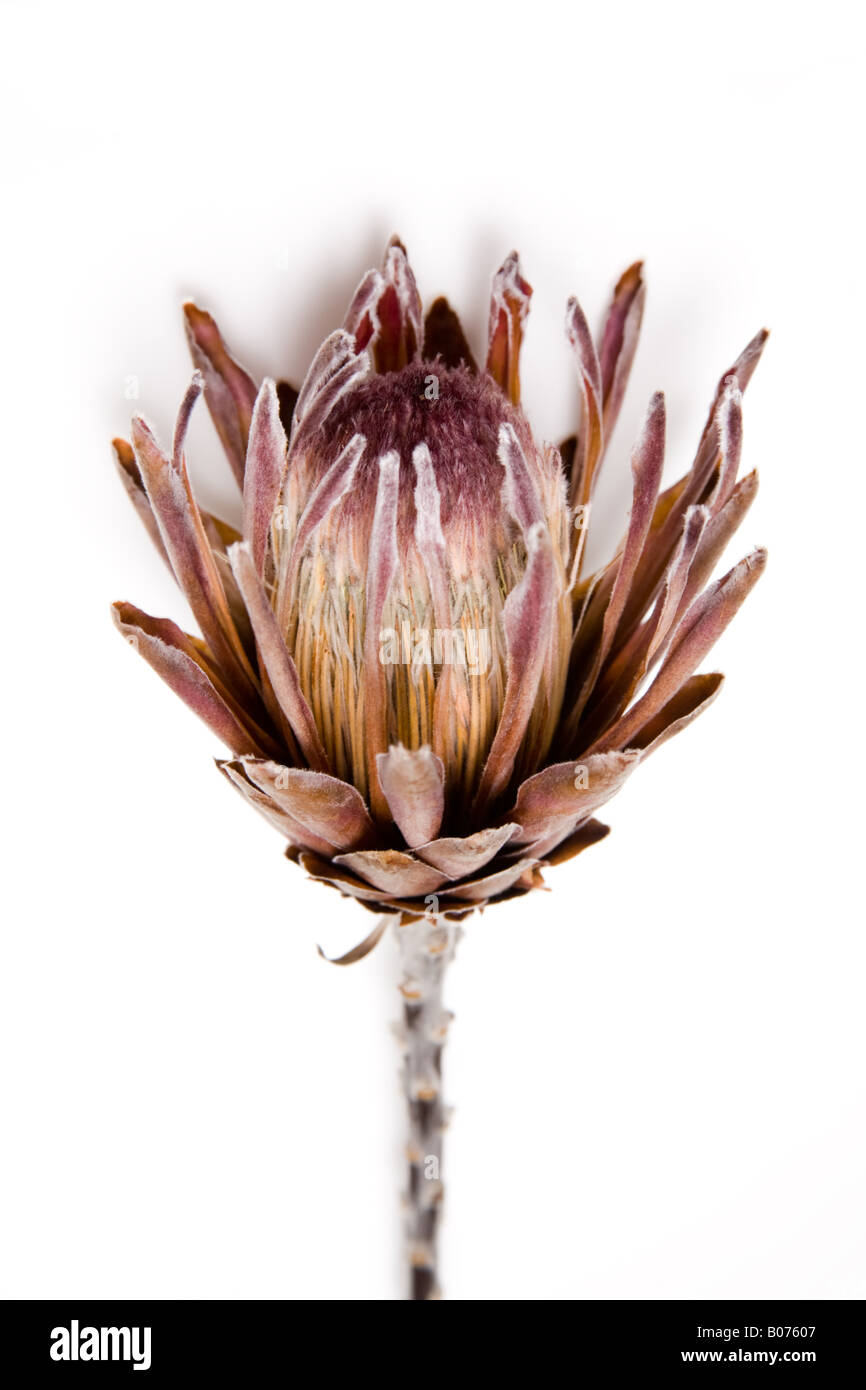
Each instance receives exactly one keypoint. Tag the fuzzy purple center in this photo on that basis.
(455, 413)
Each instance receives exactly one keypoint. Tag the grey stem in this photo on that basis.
(426, 947)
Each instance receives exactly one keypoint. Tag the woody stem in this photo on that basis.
(426, 947)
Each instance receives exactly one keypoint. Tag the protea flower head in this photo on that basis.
(419, 686)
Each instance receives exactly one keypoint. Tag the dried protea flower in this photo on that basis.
(419, 686)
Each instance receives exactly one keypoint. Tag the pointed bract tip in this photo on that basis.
(630, 278)
(123, 454)
(751, 354)
(121, 615)
(750, 568)
(193, 314)
(577, 329)
(141, 431)
(200, 325)
(511, 274)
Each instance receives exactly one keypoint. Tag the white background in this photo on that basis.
(657, 1067)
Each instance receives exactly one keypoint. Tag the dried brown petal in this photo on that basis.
(590, 440)
(479, 890)
(331, 810)
(460, 856)
(263, 476)
(561, 795)
(528, 617)
(696, 695)
(509, 306)
(178, 659)
(230, 392)
(297, 834)
(619, 342)
(700, 629)
(278, 663)
(364, 947)
(183, 534)
(391, 871)
(413, 781)
(130, 476)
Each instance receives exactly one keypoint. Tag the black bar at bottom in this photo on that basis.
(242, 1340)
